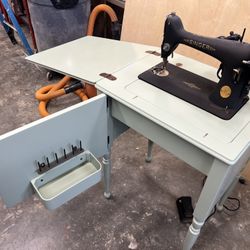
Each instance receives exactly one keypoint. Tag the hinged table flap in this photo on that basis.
(88, 57)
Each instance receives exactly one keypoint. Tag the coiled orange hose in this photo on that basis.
(49, 92)
(95, 12)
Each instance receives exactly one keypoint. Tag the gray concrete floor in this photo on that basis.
(142, 213)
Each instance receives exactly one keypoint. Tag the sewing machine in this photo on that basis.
(213, 146)
(222, 99)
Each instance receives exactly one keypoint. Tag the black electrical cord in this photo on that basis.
(232, 209)
(211, 214)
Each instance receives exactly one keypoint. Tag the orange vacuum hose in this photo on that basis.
(95, 12)
(49, 92)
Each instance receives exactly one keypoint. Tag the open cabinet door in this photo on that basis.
(27, 150)
(47, 141)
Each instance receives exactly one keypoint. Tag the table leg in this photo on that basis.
(149, 153)
(107, 175)
(219, 206)
(219, 175)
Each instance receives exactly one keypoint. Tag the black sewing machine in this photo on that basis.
(222, 99)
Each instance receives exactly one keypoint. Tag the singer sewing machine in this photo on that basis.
(222, 99)
(213, 146)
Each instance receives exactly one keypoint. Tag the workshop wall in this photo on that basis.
(144, 20)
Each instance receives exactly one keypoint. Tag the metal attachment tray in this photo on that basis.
(67, 180)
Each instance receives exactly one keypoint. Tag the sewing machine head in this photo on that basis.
(234, 55)
(224, 98)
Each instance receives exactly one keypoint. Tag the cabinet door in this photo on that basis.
(21, 149)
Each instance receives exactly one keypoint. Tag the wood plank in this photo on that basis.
(246, 171)
(144, 19)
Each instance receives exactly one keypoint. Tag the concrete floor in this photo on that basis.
(142, 213)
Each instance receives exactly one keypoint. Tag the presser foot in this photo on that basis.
(160, 71)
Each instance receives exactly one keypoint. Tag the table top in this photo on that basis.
(86, 58)
(225, 140)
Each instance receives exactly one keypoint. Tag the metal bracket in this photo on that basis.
(108, 76)
(155, 53)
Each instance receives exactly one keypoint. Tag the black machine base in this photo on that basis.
(189, 87)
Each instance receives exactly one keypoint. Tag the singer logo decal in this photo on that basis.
(199, 44)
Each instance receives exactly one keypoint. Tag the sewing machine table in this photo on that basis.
(217, 148)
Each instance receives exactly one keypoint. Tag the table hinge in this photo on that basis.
(153, 52)
(108, 76)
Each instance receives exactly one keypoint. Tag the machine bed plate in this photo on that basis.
(188, 86)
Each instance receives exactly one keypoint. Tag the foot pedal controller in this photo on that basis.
(185, 209)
